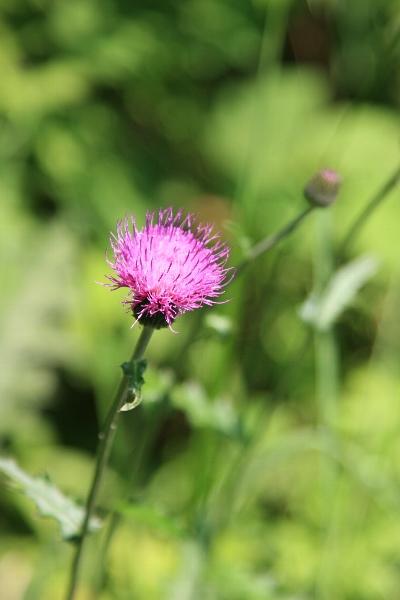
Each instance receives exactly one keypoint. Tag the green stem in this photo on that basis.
(327, 391)
(266, 244)
(326, 355)
(112, 527)
(327, 377)
(368, 209)
(106, 440)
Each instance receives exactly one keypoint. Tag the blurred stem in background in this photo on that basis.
(106, 437)
(269, 242)
(368, 209)
(325, 345)
(327, 390)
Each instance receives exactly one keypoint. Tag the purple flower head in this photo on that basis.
(170, 266)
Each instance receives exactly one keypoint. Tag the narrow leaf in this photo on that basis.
(323, 310)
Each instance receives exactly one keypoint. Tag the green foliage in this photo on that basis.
(229, 480)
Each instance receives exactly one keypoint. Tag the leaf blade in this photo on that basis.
(49, 500)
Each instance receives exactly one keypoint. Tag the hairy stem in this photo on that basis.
(106, 438)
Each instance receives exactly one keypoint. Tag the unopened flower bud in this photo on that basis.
(323, 188)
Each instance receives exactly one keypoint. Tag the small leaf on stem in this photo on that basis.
(134, 372)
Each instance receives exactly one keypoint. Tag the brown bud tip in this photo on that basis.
(323, 188)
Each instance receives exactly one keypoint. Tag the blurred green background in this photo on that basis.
(264, 461)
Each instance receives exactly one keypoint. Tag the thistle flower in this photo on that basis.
(170, 266)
